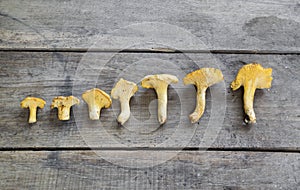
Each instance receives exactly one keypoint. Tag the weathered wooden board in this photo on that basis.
(186, 170)
(228, 25)
(43, 54)
(47, 75)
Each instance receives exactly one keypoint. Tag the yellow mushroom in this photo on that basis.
(202, 79)
(63, 105)
(123, 91)
(96, 100)
(160, 83)
(252, 76)
(32, 103)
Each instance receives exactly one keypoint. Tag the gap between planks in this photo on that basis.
(239, 149)
(154, 50)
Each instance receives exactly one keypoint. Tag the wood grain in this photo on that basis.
(186, 170)
(219, 25)
(46, 75)
(64, 47)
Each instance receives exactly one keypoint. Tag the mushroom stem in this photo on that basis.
(32, 114)
(94, 111)
(200, 105)
(64, 113)
(125, 111)
(249, 91)
(162, 103)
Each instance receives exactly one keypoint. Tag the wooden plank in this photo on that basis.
(47, 75)
(186, 170)
(226, 25)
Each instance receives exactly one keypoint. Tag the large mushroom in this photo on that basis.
(32, 103)
(160, 83)
(252, 76)
(202, 79)
(96, 100)
(63, 105)
(123, 91)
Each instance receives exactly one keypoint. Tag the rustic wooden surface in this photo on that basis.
(255, 25)
(187, 170)
(51, 48)
(48, 75)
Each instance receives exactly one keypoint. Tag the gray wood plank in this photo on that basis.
(227, 25)
(47, 75)
(186, 170)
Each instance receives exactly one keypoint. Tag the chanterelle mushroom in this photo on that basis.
(32, 103)
(252, 76)
(202, 79)
(96, 100)
(123, 91)
(63, 105)
(160, 83)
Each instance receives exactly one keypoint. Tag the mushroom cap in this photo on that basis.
(253, 72)
(32, 102)
(98, 97)
(124, 88)
(64, 101)
(154, 81)
(204, 77)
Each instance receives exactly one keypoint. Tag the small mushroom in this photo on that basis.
(123, 91)
(160, 83)
(96, 100)
(32, 103)
(63, 105)
(252, 76)
(202, 79)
